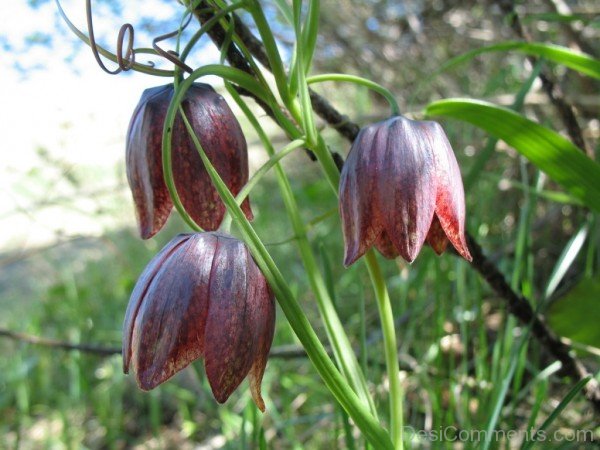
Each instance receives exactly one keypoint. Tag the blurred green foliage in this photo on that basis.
(458, 345)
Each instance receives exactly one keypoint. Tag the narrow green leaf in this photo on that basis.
(581, 62)
(310, 32)
(561, 406)
(567, 257)
(360, 82)
(264, 29)
(286, 11)
(556, 17)
(564, 162)
(502, 390)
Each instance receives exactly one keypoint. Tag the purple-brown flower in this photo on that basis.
(401, 186)
(201, 296)
(222, 139)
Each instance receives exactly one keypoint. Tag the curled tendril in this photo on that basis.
(124, 63)
(170, 54)
(125, 55)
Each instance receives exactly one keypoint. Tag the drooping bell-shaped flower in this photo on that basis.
(222, 139)
(399, 187)
(201, 296)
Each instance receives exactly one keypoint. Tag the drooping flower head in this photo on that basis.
(399, 187)
(222, 139)
(201, 296)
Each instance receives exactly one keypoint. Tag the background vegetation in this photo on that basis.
(464, 358)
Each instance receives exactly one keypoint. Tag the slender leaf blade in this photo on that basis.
(581, 62)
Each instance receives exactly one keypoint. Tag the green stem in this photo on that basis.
(310, 33)
(273, 55)
(390, 347)
(274, 159)
(305, 106)
(361, 82)
(207, 26)
(384, 307)
(334, 381)
(332, 173)
(282, 120)
(342, 349)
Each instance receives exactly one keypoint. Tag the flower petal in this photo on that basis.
(169, 328)
(230, 333)
(144, 162)
(222, 139)
(361, 221)
(261, 305)
(436, 237)
(450, 202)
(139, 294)
(407, 187)
(385, 246)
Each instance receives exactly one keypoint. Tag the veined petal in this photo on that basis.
(144, 163)
(139, 294)
(384, 245)
(223, 141)
(261, 306)
(230, 350)
(361, 221)
(169, 328)
(450, 199)
(407, 186)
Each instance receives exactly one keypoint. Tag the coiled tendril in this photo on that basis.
(126, 55)
(125, 63)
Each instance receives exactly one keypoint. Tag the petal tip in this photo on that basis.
(258, 400)
(350, 258)
(466, 254)
(146, 382)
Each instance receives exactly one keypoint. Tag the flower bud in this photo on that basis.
(222, 139)
(201, 296)
(401, 186)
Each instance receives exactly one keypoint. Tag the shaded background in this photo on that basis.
(70, 255)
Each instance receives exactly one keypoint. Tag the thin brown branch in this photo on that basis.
(283, 352)
(518, 305)
(47, 342)
(280, 352)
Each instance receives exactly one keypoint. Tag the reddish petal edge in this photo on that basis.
(263, 315)
(436, 238)
(450, 200)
